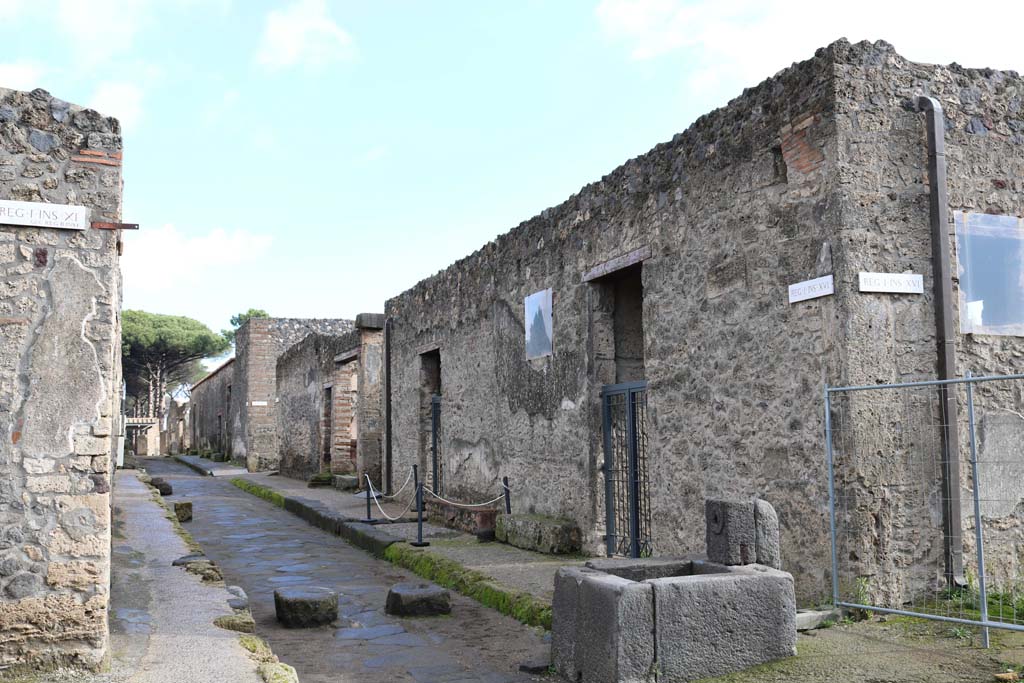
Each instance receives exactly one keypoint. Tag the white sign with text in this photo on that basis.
(811, 289)
(42, 215)
(893, 283)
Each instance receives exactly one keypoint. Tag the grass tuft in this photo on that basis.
(523, 607)
(263, 492)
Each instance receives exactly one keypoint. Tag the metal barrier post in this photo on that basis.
(416, 484)
(978, 535)
(508, 496)
(369, 495)
(419, 542)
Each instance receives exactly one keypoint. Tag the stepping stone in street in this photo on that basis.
(418, 600)
(305, 606)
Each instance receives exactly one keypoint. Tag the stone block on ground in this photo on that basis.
(305, 606)
(162, 485)
(346, 482)
(183, 510)
(730, 531)
(418, 599)
(766, 533)
(239, 599)
(549, 535)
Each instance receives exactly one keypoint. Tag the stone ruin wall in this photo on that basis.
(302, 372)
(820, 169)
(60, 300)
(258, 345)
(893, 504)
(176, 434)
(733, 210)
(210, 400)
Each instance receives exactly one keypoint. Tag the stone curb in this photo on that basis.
(193, 466)
(366, 536)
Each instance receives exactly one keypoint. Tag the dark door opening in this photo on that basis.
(619, 358)
(430, 418)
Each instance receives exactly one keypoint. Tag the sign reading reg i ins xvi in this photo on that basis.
(40, 215)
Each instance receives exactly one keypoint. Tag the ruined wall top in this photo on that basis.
(718, 139)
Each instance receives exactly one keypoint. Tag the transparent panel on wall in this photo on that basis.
(538, 324)
(990, 259)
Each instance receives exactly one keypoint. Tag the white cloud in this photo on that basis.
(164, 259)
(303, 34)
(101, 29)
(10, 8)
(120, 100)
(21, 75)
(375, 153)
(731, 45)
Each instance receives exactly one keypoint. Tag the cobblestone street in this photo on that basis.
(260, 547)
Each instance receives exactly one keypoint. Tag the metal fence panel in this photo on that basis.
(891, 548)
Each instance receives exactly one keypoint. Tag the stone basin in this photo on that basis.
(674, 619)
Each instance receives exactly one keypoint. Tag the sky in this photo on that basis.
(315, 157)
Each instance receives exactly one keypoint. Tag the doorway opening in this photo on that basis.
(430, 419)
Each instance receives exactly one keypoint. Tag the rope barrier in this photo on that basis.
(377, 503)
(395, 494)
(465, 505)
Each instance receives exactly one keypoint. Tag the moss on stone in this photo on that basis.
(277, 672)
(257, 648)
(240, 621)
(263, 492)
(523, 607)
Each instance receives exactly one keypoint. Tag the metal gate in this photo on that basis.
(627, 485)
(436, 481)
(924, 523)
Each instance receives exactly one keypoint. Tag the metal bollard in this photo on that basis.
(369, 495)
(416, 485)
(419, 542)
(508, 496)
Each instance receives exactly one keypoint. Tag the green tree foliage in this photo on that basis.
(239, 319)
(161, 351)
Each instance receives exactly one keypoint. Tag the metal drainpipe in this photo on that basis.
(945, 337)
(387, 402)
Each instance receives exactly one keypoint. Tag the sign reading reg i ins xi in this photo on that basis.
(41, 215)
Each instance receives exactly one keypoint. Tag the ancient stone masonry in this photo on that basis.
(674, 269)
(175, 432)
(60, 300)
(329, 403)
(209, 410)
(236, 415)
